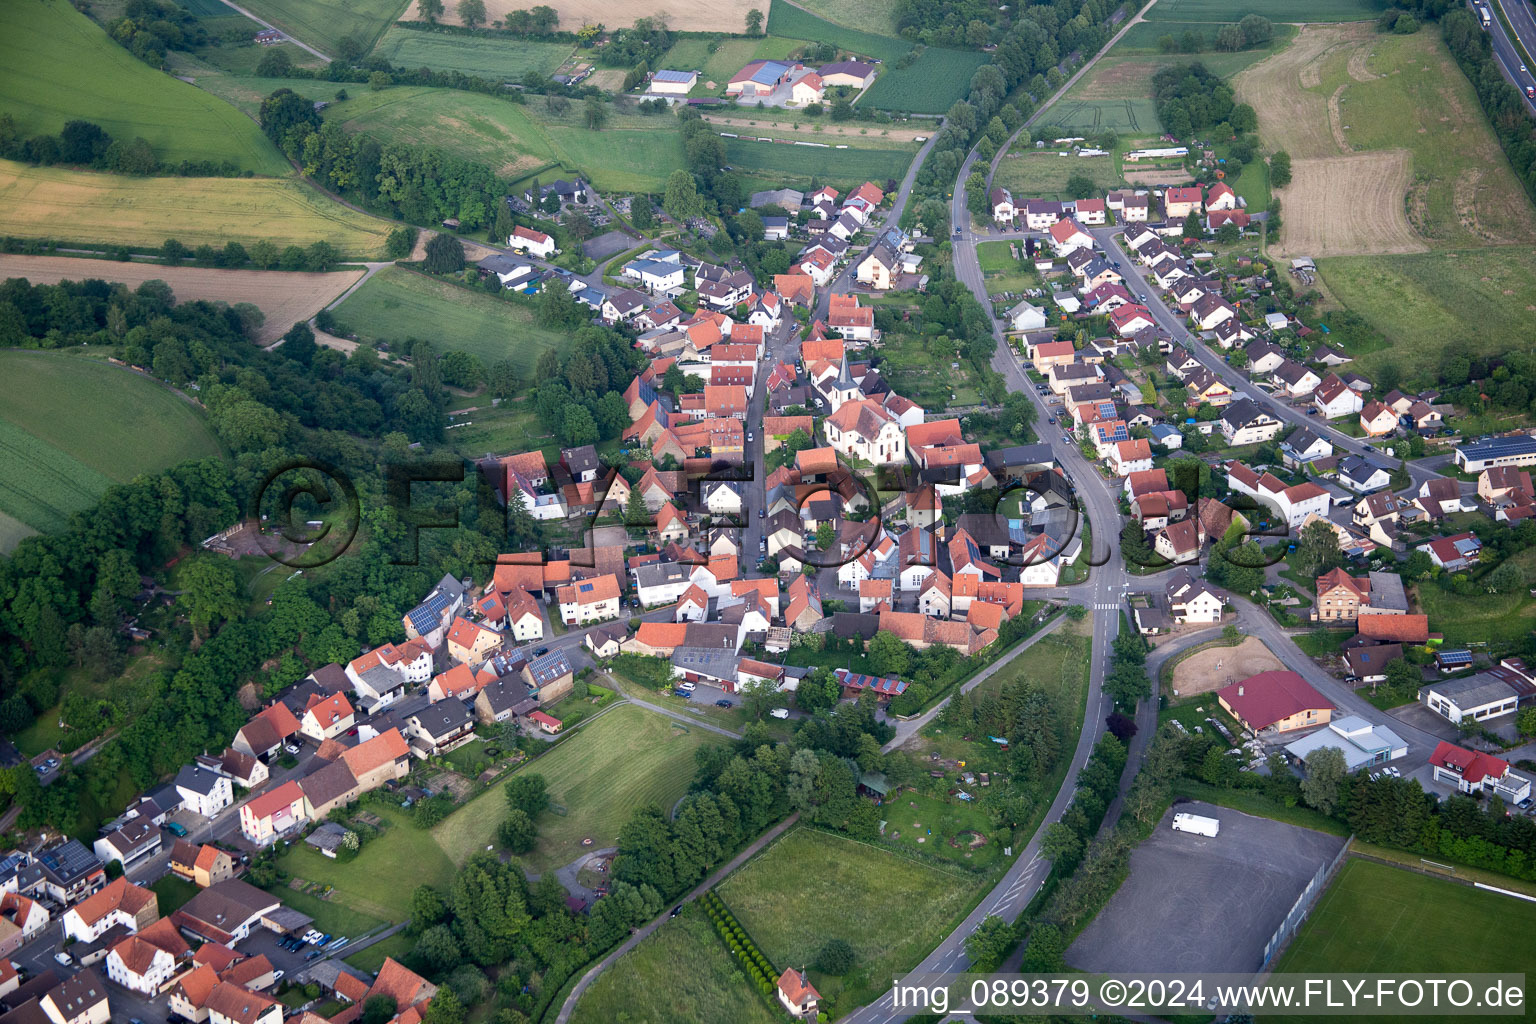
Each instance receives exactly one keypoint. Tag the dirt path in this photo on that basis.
(286, 297)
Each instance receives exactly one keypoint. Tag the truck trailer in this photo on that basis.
(1198, 824)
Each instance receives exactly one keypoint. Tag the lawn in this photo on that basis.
(511, 427)
(70, 428)
(52, 202)
(1420, 301)
(610, 768)
(397, 304)
(1042, 174)
(485, 56)
(324, 23)
(1275, 10)
(1500, 619)
(108, 85)
(647, 984)
(729, 56)
(1002, 272)
(403, 853)
(171, 892)
(1380, 919)
(372, 958)
(891, 909)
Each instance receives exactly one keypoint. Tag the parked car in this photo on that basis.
(277, 975)
(723, 703)
(690, 687)
(541, 652)
(779, 713)
(292, 748)
(175, 829)
(63, 959)
(749, 437)
(683, 694)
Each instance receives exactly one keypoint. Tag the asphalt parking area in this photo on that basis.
(1192, 903)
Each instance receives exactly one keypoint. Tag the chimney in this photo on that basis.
(1239, 689)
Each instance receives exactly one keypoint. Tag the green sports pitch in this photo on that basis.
(1378, 919)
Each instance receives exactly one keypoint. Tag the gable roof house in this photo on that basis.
(1276, 701)
(1336, 399)
(267, 730)
(1244, 422)
(430, 619)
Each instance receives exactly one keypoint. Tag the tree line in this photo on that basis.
(82, 143)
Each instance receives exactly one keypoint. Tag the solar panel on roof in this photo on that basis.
(1455, 657)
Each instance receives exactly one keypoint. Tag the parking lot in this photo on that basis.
(1208, 904)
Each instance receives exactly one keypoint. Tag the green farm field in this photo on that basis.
(1419, 301)
(1274, 10)
(59, 65)
(610, 768)
(929, 86)
(52, 202)
(396, 304)
(792, 165)
(1042, 173)
(324, 23)
(893, 910)
(1141, 41)
(785, 19)
(485, 56)
(70, 428)
(680, 974)
(865, 15)
(1380, 919)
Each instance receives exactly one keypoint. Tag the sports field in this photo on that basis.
(72, 427)
(324, 23)
(622, 761)
(486, 56)
(1274, 10)
(397, 304)
(891, 909)
(1380, 919)
(59, 65)
(681, 973)
(1391, 152)
(285, 297)
(51, 202)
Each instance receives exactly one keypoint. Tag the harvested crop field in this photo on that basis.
(51, 202)
(1215, 667)
(1391, 152)
(285, 297)
(1285, 90)
(1355, 207)
(681, 15)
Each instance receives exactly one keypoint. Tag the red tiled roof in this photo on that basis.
(1408, 629)
(1269, 697)
(1472, 765)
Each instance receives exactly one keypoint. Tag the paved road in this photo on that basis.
(267, 24)
(634, 940)
(1523, 20)
(906, 730)
(1138, 282)
(898, 206)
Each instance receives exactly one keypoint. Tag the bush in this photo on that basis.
(835, 958)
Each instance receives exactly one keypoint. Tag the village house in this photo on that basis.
(535, 243)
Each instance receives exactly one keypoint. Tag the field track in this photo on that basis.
(285, 297)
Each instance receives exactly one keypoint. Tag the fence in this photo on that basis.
(1303, 906)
